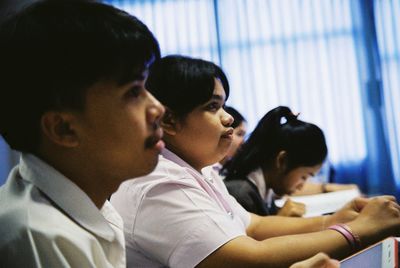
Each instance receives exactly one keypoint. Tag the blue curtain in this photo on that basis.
(387, 14)
(184, 26)
(302, 54)
(8, 159)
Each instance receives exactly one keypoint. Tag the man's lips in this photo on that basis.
(155, 141)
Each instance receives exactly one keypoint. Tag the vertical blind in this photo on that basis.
(278, 52)
(387, 14)
(300, 54)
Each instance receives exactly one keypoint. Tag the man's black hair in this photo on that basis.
(53, 51)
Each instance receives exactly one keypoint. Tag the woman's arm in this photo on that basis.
(271, 226)
(276, 252)
(378, 219)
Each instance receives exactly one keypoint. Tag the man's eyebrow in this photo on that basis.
(132, 78)
(138, 76)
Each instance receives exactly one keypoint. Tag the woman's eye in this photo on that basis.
(241, 134)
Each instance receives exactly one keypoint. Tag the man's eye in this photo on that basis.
(134, 91)
(213, 106)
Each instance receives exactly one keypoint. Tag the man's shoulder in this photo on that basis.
(25, 209)
(29, 229)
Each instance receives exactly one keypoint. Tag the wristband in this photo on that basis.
(355, 236)
(353, 239)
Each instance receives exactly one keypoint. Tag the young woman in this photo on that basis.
(245, 177)
(280, 155)
(239, 126)
(176, 217)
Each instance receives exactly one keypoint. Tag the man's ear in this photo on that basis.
(58, 128)
(281, 160)
(169, 122)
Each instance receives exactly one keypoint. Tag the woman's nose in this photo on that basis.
(227, 119)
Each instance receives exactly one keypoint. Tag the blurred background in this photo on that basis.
(337, 62)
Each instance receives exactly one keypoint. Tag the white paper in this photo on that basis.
(319, 204)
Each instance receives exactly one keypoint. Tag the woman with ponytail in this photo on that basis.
(280, 155)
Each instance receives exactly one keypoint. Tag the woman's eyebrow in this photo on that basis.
(217, 97)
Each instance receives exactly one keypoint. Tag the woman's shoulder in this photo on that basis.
(242, 184)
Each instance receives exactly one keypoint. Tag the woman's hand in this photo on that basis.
(292, 209)
(378, 219)
(348, 212)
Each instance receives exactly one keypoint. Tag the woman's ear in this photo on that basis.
(281, 160)
(58, 128)
(169, 122)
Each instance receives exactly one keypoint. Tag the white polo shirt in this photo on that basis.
(47, 221)
(175, 216)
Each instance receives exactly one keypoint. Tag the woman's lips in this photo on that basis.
(228, 134)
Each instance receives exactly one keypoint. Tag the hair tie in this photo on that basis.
(288, 118)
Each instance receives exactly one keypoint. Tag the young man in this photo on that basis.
(73, 102)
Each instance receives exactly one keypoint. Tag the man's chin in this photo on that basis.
(151, 165)
(144, 169)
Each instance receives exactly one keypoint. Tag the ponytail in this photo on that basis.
(278, 130)
(259, 148)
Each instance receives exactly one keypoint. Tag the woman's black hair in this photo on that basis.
(182, 83)
(278, 130)
(237, 117)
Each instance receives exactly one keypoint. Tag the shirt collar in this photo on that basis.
(217, 167)
(257, 178)
(167, 154)
(65, 194)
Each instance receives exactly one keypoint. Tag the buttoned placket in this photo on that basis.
(225, 204)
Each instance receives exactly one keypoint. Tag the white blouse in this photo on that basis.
(175, 216)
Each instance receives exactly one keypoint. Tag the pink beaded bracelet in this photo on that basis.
(353, 239)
